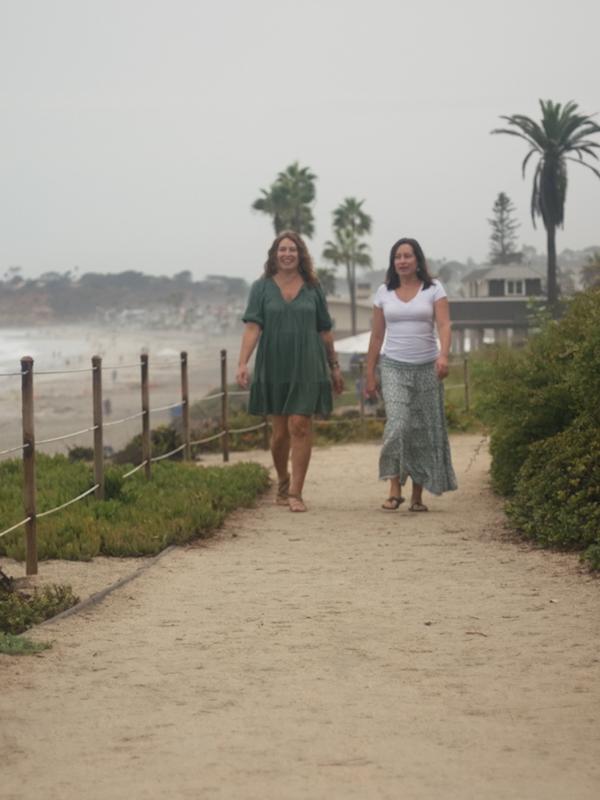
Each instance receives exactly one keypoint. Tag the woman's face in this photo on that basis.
(405, 262)
(287, 256)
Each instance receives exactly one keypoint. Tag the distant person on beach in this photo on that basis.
(409, 306)
(287, 317)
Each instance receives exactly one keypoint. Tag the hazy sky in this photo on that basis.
(135, 134)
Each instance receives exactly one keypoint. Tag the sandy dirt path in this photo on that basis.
(345, 653)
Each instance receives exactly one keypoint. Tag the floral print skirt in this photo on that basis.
(415, 439)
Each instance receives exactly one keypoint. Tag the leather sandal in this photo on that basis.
(396, 502)
(417, 507)
(283, 489)
(296, 503)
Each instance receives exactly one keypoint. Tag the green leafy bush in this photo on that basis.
(163, 440)
(541, 405)
(557, 497)
(529, 395)
(19, 611)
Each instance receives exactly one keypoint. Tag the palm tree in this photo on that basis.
(350, 223)
(289, 200)
(560, 136)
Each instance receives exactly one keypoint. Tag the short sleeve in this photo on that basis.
(438, 291)
(324, 322)
(254, 310)
(379, 295)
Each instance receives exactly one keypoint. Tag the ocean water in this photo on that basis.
(50, 348)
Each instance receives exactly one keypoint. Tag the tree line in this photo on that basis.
(562, 135)
(289, 202)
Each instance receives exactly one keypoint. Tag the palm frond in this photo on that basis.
(526, 159)
(584, 164)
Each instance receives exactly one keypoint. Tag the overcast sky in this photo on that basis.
(135, 134)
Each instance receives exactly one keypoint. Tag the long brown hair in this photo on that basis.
(305, 265)
(392, 279)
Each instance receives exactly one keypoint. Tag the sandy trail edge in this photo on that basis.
(345, 653)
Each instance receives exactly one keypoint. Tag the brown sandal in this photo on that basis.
(297, 501)
(396, 502)
(417, 507)
(283, 489)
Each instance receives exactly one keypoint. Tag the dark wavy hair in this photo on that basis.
(305, 265)
(392, 279)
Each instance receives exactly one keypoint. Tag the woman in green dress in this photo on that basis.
(287, 317)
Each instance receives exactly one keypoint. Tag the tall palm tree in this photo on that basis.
(561, 135)
(289, 200)
(350, 223)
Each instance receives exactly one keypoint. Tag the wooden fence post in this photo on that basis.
(98, 431)
(224, 407)
(361, 386)
(185, 408)
(29, 465)
(146, 443)
(466, 382)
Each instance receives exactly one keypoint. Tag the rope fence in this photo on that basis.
(66, 436)
(14, 527)
(68, 503)
(135, 469)
(13, 449)
(225, 432)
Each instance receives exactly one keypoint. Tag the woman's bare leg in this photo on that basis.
(417, 493)
(280, 445)
(300, 429)
(395, 491)
(416, 498)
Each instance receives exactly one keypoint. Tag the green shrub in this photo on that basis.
(163, 440)
(532, 394)
(557, 497)
(81, 453)
(19, 611)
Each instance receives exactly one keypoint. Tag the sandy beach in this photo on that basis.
(63, 402)
(343, 653)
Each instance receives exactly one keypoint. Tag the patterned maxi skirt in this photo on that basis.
(415, 439)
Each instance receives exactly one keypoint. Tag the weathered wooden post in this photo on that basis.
(29, 465)
(466, 382)
(185, 408)
(98, 431)
(361, 388)
(224, 407)
(146, 443)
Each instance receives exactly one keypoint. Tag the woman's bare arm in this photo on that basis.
(334, 366)
(442, 323)
(375, 343)
(250, 338)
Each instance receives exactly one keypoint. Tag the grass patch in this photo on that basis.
(182, 502)
(11, 645)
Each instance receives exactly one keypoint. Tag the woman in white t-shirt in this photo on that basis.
(408, 308)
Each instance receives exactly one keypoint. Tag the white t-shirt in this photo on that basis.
(410, 333)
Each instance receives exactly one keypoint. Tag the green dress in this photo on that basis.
(290, 372)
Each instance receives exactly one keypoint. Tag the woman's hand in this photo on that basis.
(441, 367)
(338, 380)
(243, 376)
(371, 388)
